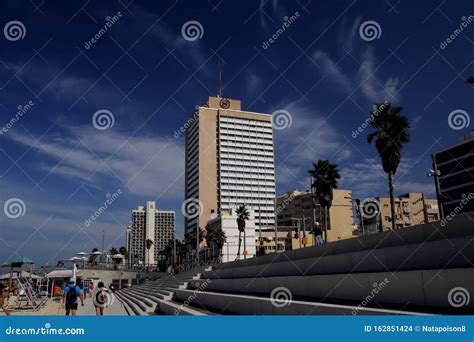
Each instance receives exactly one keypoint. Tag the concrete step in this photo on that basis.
(129, 304)
(154, 297)
(428, 289)
(172, 308)
(138, 303)
(254, 305)
(436, 254)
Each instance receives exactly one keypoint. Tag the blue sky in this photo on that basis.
(142, 70)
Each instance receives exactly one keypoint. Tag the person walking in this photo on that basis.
(72, 294)
(91, 287)
(102, 298)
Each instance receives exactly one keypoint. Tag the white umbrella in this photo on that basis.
(82, 253)
(97, 253)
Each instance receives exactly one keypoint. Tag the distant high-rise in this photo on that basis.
(149, 224)
(229, 162)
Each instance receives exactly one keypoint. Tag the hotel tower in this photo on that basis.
(229, 162)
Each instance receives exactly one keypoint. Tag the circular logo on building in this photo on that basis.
(224, 103)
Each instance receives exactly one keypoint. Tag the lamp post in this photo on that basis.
(435, 174)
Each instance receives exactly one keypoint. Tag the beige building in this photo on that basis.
(229, 162)
(410, 209)
(287, 239)
(295, 207)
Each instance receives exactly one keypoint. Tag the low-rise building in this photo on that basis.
(410, 209)
(227, 221)
(296, 207)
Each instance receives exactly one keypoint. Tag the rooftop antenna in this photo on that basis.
(221, 86)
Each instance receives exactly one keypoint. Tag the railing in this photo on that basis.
(206, 257)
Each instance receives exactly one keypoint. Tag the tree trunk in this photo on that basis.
(392, 201)
(325, 224)
(238, 249)
(245, 245)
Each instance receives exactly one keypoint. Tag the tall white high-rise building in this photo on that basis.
(229, 162)
(148, 224)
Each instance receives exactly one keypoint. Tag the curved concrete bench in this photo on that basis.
(425, 288)
(425, 255)
(461, 226)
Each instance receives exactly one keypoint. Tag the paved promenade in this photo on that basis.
(53, 307)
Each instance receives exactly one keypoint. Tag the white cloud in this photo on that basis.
(95, 156)
(372, 87)
(308, 139)
(332, 70)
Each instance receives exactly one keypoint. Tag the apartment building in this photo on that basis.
(151, 224)
(296, 207)
(410, 209)
(229, 162)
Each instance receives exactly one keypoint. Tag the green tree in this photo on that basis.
(391, 133)
(215, 236)
(242, 216)
(93, 257)
(325, 179)
(190, 238)
(123, 250)
(113, 251)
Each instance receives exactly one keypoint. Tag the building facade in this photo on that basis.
(149, 224)
(287, 238)
(410, 209)
(227, 221)
(229, 162)
(296, 207)
(454, 176)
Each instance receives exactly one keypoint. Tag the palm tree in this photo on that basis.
(242, 216)
(391, 131)
(92, 257)
(149, 244)
(215, 237)
(113, 251)
(324, 176)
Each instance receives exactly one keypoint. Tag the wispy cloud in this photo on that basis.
(94, 156)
